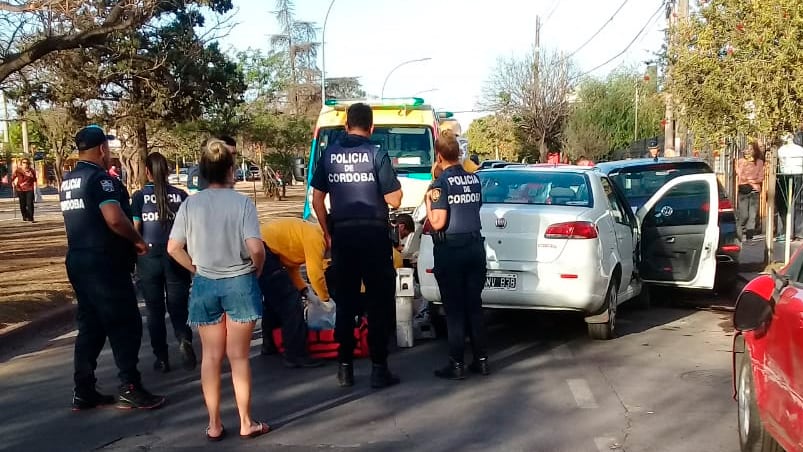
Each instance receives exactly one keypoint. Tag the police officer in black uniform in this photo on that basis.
(453, 210)
(361, 183)
(101, 245)
(161, 278)
(194, 179)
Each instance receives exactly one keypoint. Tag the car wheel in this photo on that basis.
(752, 435)
(607, 330)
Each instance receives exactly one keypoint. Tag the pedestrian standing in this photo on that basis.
(154, 209)
(101, 244)
(749, 177)
(224, 251)
(453, 210)
(361, 183)
(24, 182)
(653, 151)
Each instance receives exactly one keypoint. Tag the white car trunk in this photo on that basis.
(516, 232)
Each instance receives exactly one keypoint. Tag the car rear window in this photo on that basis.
(644, 181)
(530, 187)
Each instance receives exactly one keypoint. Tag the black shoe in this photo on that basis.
(345, 375)
(381, 377)
(84, 400)
(188, 358)
(480, 366)
(134, 396)
(452, 371)
(268, 348)
(161, 365)
(298, 363)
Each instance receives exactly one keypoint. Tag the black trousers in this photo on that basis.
(282, 306)
(364, 254)
(107, 307)
(163, 279)
(460, 271)
(26, 204)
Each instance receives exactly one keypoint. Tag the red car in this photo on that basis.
(768, 361)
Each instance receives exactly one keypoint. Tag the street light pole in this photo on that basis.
(418, 60)
(323, 54)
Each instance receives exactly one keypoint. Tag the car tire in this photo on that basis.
(753, 437)
(607, 330)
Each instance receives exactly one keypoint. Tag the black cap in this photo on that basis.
(653, 143)
(91, 136)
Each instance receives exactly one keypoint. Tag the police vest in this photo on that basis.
(353, 187)
(463, 193)
(154, 231)
(80, 195)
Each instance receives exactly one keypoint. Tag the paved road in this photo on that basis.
(663, 385)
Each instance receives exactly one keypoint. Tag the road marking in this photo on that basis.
(582, 393)
(510, 351)
(606, 444)
(562, 351)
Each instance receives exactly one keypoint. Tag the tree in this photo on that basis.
(58, 125)
(34, 29)
(737, 66)
(297, 41)
(604, 117)
(535, 92)
(494, 137)
(344, 88)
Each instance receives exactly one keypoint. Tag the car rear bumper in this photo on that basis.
(543, 287)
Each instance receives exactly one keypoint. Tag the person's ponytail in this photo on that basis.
(157, 165)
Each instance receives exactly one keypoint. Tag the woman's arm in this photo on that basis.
(257, 251)
(176, 250)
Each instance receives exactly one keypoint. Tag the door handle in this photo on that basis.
(670, 240)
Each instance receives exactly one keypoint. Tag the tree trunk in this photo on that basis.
(58, 166)
(542, 149)
(138, 176)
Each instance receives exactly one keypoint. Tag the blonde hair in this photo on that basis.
(216, 161)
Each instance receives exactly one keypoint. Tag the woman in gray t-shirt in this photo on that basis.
(224, 251)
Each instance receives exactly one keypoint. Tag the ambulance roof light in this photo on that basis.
(444, 114)
(400, 101)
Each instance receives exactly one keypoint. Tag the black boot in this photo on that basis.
(452, 371)
(381, 377)
(89, 398)
(345, 375)
(188, 358)
(480, 366)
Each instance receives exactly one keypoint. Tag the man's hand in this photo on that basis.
(142, 247)
(328, 239)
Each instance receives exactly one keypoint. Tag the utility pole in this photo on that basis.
(635, 121)
(536, 77)
(677, 13)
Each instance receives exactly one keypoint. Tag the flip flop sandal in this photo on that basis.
(215, 438)
(264, 428)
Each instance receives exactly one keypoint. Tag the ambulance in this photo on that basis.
(404, 127)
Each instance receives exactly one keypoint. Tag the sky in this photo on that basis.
(463, 38)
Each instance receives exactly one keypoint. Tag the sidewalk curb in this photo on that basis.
(12, 336)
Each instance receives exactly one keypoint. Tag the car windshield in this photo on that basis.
(535, 187)
(410, 148)
(639, 183)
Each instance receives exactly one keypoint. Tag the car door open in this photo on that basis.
(679, 234)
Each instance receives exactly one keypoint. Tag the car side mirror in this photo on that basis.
(779, 281)
(752, 312)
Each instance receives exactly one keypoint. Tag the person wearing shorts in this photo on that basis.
(216, 236)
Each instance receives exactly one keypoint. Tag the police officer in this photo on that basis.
(361, 183)
(453, 209)
(101, 242)
(196, 182)
(154, 208)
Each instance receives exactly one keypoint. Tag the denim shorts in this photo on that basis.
(238, 297)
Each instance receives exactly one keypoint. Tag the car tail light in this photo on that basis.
(572, 230)
(732, 248)
(725, 205)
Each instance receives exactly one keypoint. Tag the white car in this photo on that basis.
(564, 238)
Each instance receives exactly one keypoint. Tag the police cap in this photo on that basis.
(653, 143)
(91, 136)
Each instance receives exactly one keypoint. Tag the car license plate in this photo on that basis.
(505, 281)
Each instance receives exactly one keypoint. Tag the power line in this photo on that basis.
(556, 3)
(649, 21)
(598, 31)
